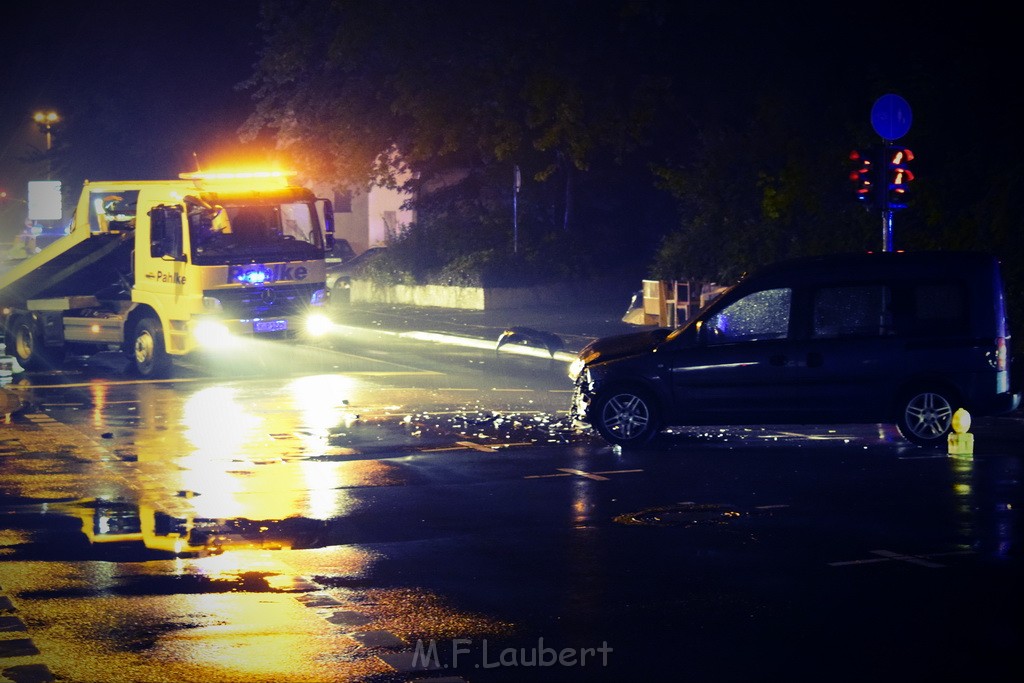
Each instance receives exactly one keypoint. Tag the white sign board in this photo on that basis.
(44, 202)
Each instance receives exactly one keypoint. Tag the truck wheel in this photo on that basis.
(148, 353)
(24, 340)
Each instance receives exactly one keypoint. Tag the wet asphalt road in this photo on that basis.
(427, 517)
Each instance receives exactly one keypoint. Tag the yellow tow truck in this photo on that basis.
(162, 268)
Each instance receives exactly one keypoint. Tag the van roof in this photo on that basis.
(908, 265)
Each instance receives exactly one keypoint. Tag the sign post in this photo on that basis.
(517, 182)
(890, 117)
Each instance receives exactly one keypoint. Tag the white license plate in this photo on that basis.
(270, 325)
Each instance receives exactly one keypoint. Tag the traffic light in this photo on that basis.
(863, 177)
(898, 176)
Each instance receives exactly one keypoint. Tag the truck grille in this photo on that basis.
(264, 302)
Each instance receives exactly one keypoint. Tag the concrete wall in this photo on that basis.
(474, 298)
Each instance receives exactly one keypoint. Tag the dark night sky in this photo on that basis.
(140, 85)
(143, 85)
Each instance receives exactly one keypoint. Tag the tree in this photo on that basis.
(748, 195)
(459, 93)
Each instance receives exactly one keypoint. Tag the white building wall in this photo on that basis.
(386, 215)
(372, 214)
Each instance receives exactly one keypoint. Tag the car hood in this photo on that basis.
(607, 348)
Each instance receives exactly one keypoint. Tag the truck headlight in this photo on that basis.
(212, 333)
(318, 324)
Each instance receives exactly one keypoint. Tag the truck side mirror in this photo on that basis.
(325, 212)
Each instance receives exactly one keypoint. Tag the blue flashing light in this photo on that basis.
(256, 275)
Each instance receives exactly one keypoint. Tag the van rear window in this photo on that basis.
(938, 309)
(934, 309)
(851, 311)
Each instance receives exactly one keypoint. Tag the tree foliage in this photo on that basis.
(700, 139)
(460, 93)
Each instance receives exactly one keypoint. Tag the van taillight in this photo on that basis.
(1000, 354)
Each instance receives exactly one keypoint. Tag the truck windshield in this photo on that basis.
(247, 233)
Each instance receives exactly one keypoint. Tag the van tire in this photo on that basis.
(926, 416)
(626, 417)
(24, 340)
(148, 353)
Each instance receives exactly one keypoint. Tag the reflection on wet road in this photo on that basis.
(396, 519)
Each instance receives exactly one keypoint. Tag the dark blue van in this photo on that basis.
(904, 338)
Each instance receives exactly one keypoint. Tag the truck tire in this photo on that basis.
(24, 339)
(148, 353)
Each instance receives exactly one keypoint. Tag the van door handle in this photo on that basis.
(814, 360)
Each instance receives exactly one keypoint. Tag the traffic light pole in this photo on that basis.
(891, 117)
(887, 228)
(886, 206)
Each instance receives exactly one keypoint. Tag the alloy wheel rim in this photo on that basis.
(929, 415)
(626, 415)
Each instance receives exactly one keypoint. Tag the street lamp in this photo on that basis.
(46, 120)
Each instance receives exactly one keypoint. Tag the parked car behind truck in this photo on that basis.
(339, 276)
(904, 338)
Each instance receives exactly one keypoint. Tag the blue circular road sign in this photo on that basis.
(890, 117)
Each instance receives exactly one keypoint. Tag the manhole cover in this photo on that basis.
(682, 514)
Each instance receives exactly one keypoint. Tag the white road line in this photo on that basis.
(890, 556)
(569, 472)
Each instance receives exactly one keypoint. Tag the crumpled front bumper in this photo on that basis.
(582, 399)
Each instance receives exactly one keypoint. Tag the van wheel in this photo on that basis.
(24, 339)
(926, 417)
(149, 354)
(626, 417)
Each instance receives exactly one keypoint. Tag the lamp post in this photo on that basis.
(46, 120)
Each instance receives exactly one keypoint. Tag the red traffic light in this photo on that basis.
(899, 176)
(862, 176)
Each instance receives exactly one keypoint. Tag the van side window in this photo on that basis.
(761, 315)
(937, 309)
(852, 311)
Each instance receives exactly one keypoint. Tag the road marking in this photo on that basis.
(484, 448)
(890, 556)
(569, 472)
(809, 437)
